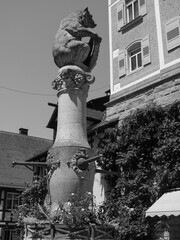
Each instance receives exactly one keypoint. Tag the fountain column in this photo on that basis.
(65, 177)
(75, 59)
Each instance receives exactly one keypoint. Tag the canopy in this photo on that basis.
(168, 204)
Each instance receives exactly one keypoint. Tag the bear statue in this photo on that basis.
(69, 47)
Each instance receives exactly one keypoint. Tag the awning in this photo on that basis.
(168, 204)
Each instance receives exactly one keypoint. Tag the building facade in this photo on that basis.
(16, 147)
(144, 43)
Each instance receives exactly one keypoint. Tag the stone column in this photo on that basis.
(72, 84)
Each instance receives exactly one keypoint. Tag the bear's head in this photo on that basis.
(86, 20)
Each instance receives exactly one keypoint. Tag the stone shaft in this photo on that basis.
(71, 129)
(72, 84)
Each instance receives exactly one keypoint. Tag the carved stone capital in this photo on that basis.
(72, 77)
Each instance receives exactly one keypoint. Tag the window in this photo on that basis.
(39, 172)
(132, 10)
(12, 201)
(173, 33)
(129, 10)
(7, 234)
(10, 234)
(135, 57)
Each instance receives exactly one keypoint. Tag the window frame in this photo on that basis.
(123, 20)
(39, 172)
(12, 199)
(8, 233)
(121, 60)
(133, 47)
(131, 3)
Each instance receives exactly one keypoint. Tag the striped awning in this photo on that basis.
(168, 204)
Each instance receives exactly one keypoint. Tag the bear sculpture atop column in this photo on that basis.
(69, 47)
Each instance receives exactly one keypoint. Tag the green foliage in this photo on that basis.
(31, 198)
(79, 211)
(145, 150)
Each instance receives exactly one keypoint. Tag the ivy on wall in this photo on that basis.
(145, 151)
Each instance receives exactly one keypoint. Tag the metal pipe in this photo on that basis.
(14, 163)
(29, 164)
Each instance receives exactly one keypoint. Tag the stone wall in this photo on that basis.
(164, 92)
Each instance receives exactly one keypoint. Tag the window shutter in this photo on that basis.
(142, 7)
(146, 56)
(120, 13)
(115, 71)
(173, 33)
(122, 63)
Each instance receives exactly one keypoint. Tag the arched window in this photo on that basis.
(134, 53)
(134, 57)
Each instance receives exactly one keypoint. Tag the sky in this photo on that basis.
(27, 68)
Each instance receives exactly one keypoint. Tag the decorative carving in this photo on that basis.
(77, 162)
(69, 48)
(72, 77)
(51, 164)
(50, 158)
(53, 167)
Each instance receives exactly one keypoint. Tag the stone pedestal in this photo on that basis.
(72, 84)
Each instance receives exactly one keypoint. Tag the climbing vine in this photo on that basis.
(145, 151)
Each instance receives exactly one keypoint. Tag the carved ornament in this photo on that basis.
(72, 77)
